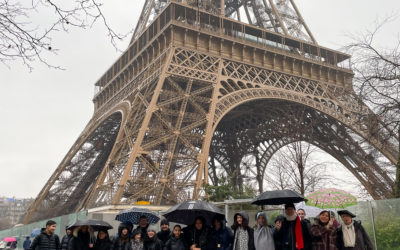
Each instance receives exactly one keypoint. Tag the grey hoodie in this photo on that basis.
(263, 236)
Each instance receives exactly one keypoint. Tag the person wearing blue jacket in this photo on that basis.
(27, 243)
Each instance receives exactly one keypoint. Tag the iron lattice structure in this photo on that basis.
(198, 85)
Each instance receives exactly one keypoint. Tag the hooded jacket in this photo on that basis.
(197, 237)
(263, 235)
(223, 237)
(81, 240)
(27, 243)
(362, 239)
(250, 230)
(122, 242)
(45, 242)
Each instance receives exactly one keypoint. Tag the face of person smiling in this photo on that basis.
(346, 219)
(324, 217)
(239, 219)
(290, 211)
(301, 214)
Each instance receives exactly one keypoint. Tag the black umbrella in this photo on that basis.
(186, 212)
(278, 197)
(95, 224)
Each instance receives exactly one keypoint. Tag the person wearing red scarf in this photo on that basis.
(292, 233)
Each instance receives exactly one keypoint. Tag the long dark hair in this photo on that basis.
(245, 223)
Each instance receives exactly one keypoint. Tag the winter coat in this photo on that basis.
(323, 238)
(153, 244)
(27, 244)
(164, 235)
(201, 238)
(104, 244)
(81, 240)
(176, 244)
(137, 245)
(66, 241)
(362, 239)
(143, 232)
(281, 237)
(264, 238)
(223, 237)
(121, 244)
(45, 242)
(250, 231)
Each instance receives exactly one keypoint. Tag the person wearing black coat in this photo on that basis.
(103, 241)
(176, 241)
(83, 238)
(242, 232)
(47, 239)
(165, 232)
(143, 226)
(152, 242)
(66, 240)
(197, 236)
(222, 235)
(285, 232)
(123, 241)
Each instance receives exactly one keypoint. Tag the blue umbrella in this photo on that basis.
(133, 215)
(35, 232)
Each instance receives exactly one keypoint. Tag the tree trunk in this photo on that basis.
(397, 181)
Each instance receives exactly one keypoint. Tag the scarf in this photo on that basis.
(299, 234)
(349, 235)
(241, 239)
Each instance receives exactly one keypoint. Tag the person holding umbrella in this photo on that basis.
(197, 234)
(103, 241)
(352, 234)
(123, 241)
(142, 227)
(243, 235)
(83, 238)
(222, 235)
(165, 232)
(66, 240)
(324, 232)
(292, 233)
(152, 242)
(263, 234)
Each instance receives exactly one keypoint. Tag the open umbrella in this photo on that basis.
(9, 239)
(186, 212)
(278, 197)
(331, 198)
(35, 232)
(133, 215)
(95, 224)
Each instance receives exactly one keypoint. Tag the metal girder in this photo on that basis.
(178, 88)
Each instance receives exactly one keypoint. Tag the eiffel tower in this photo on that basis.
(203, 84)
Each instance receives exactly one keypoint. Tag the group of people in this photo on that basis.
(291, 231)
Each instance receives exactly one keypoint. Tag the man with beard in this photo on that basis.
(292, 233)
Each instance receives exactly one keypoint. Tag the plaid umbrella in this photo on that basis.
(186, 212)
(133, 215)
(331, 198)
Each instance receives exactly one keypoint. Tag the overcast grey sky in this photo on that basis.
(43, 112)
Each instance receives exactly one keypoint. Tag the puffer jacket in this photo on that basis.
(65, 241)
(175, 244)
(153, 244)
(45, 242)
(81, 240)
